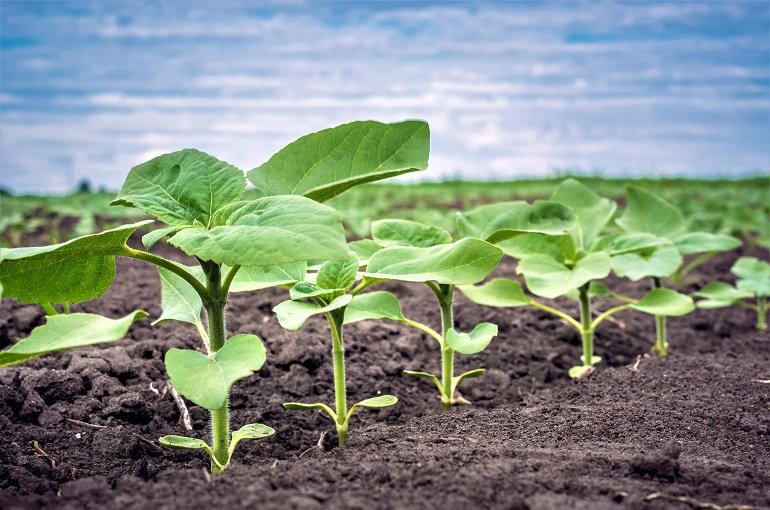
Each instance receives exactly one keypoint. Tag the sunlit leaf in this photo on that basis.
(549, 278)
(646, 212)
(664, 302)
(592, 212)
(408, 233)
(753, 275)
(293, 314)
(661, 263)
(500, 292)
(473, 342)
(373, 305)
(501, 221)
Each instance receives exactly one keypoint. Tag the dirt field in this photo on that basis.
(638, 433)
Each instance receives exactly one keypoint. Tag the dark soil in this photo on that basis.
(79, 430)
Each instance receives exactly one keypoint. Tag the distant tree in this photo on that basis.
(83, 186)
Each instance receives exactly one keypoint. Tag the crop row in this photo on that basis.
(282, 235)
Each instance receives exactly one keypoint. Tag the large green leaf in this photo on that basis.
(704, 242)
(753, 274)
(560, 247)
(720, 295)
(374, 305)
(661, 263)
(473, 342)
(269, 231)
(463, 262)
(338, 274)
(262, 277)
(500, 292)
(69, 272)
(67, 331)
(186, 187)
(501, 221)
(293, 314)
(178, 299)
(592, 212)
(550, 278)
(646, 212)
(664, 302)
(324, 164)
(629, 242)
(364, 248)
(408, 233)
(206, 380)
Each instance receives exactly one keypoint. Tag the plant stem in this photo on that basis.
(215, 313)
(661, 342)
(338, 357)
(444, 294)
(586, 331)
(171, 266)
(762, 313)
(49, 309)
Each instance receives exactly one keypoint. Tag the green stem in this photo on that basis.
(572, 322)
(49, 309)
(661, 342)
(586, 329)
(66, 308)
(697, 261)
(215, 313)
(338, 357)
(444, 295)
(171, 266)
(762, 313)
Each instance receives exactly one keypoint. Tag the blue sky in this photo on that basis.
(90, 89)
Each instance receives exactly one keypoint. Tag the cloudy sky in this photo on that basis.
(89, 89)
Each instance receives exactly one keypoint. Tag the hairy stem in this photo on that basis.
(586, 329)
(661, 342)
(338, 357)
(215, 313)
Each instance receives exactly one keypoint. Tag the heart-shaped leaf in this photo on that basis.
(408, 233)
(68, 331)
(500, 292)
(501, 221)
(374, 305)
(473, 342)
(206, 380)
(720, 295)
(183, 188)
(660, 263)
(753, 274)
(338, 274)
(549, 278)
(704, 242)
(69, 272)
(463, 262)
(646, 212)
(269, 231)
(592, 212)
(665, 302)
(293, 314)
(324, 164)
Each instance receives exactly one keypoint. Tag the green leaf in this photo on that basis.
(149, 239)
(374, 305)
(426, 375)
(324, 164)
(178, 299)
(408, 233)
(753, 274)
(376, 402)
(293, 314)
(183, 188)
(649, 213)
(249, 432)
(364, 248)
(299, 406)
(560, 248)
(704, 242)
(466, 375)
(592, 212)
(185, 443)
(473, 342)
(69, 272)
(720, 295)
(629, 242)
(262, 277)
(463, 262)
(660, 263)
(206, 380)
(68, 331)
(306, 290)
(338, 274)
(665, 302)
(269, 231)
(501, 221)
(549, 278)
(500, 292)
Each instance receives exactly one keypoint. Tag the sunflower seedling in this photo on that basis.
(329, 292)
(647, 213)
(753, 283)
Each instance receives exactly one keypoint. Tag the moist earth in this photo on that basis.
(79, 430)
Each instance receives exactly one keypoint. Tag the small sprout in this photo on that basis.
(753, 282)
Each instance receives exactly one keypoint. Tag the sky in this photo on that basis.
(510, 89)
